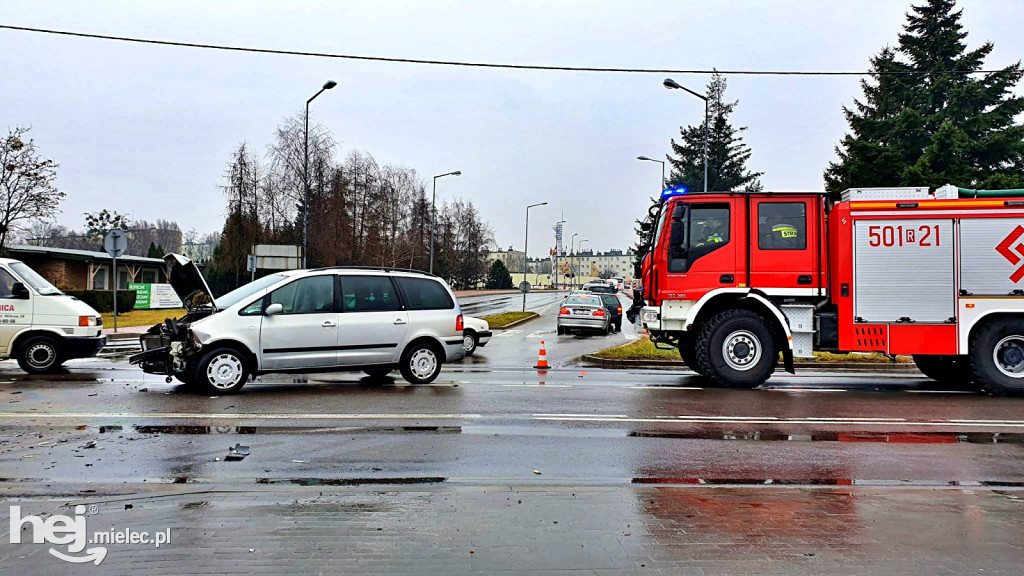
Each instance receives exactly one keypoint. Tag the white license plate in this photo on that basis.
(581, 312)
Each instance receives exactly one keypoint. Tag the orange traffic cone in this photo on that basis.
(542, 358)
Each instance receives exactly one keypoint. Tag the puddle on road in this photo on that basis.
(768, 482)
(867, 437)
(352, 481)
(200, 430)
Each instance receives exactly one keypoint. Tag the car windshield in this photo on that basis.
(33, 279)
(582, 299)
(610, 300)
(239, 294)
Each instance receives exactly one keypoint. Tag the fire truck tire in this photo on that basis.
(947, 369)
(997, 356)
(689, 356)
(736, 349)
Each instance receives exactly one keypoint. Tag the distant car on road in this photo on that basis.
(476, 333)
(583, 312)
(599, 287)
(614, 307)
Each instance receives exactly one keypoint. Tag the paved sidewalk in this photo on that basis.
(549, 530)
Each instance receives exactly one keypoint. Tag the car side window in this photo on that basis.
(368, 294)
(310, 295)
(6, 284)
(253, 309)
(425, 294)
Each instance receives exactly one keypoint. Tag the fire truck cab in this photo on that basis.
(735, 280)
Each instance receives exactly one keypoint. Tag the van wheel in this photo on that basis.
(222, 371)
(948, 370)
(421, 363)
(997, 356)
(735, 348)
(469, 342)
(40, 355)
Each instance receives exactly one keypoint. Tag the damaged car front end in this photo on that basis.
(169, 347)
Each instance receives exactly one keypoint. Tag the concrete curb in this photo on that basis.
(902, 368)
(516, 323)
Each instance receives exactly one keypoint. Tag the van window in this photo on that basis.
(310, 295)
(425, 294)
(34, 280)
(368, 294)
(6, 284)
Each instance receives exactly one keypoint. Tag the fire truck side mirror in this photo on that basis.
(646, 226)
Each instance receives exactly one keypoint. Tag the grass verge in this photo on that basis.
(502, 320)
(644, 349)
(141, 317)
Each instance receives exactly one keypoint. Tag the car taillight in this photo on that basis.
(618, 309)
(563, 311)
(459, 326)
(599, 312)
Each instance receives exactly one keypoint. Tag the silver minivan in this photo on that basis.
(327, 319)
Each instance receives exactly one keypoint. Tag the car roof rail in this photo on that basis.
(374, 269)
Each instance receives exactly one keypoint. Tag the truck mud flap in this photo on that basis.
(155, 354)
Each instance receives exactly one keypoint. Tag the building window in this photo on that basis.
(99, 279)
(122, 279)
(149, 277)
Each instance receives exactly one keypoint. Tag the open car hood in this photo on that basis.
(188, 283)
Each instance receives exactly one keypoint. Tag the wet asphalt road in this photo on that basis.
(498, 468)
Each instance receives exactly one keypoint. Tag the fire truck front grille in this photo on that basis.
(872, 337)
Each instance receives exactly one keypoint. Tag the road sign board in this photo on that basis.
(115, 243)
(524, 286)
(250, 263)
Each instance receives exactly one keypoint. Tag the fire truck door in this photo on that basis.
(701, 250)
(782, 243)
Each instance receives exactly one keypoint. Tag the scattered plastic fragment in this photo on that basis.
(238, 452)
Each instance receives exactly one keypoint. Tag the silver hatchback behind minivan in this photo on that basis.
(320, 320)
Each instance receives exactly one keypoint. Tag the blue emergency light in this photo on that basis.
(672, 192)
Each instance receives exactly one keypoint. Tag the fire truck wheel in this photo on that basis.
(736, 349)
(948, 369)
(997, 356)
(689, 356)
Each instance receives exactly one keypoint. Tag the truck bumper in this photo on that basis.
(83, 346)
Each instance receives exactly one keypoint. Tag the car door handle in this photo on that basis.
(328, 324)
(400, 321)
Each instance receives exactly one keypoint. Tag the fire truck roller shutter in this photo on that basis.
(990, 260)
(903, 271)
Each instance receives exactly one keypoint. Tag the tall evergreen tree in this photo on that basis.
(498, 277)
(928, 118)
(727, 153)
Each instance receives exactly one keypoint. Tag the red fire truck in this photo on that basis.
(734, 279)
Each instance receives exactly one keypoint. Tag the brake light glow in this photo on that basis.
(598, 312)
(459, 326)
(618, 309)
(563, 311)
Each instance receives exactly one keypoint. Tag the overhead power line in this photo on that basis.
(482, 64)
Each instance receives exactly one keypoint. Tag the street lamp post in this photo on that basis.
(572, 254)
(526, 244)
(579, 248)
(433, 213)
(672, 85)
(662, 162)
(305, 173)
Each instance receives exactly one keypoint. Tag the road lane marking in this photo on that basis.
(838, 419)
(506, 333)
(666, 388)
(728, 417)
(591, 415)
(235, 416)
(536, 386)
(582, 418)
(805, 389)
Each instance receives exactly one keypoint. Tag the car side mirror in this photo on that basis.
(274, 309)
(18, 290)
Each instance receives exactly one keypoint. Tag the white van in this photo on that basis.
(40, 326)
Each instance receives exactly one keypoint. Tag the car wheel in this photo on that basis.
(618, 326)
(40, 355)
(689, 356)
(421, 363)
(736, 349)
(997, 356)
(469, 342)
(222, 371)
(607, 329)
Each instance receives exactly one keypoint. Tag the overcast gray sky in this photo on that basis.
(148, 130)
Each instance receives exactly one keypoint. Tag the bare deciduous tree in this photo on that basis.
(27, 183)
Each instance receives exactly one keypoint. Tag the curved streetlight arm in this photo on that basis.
(433, 213)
